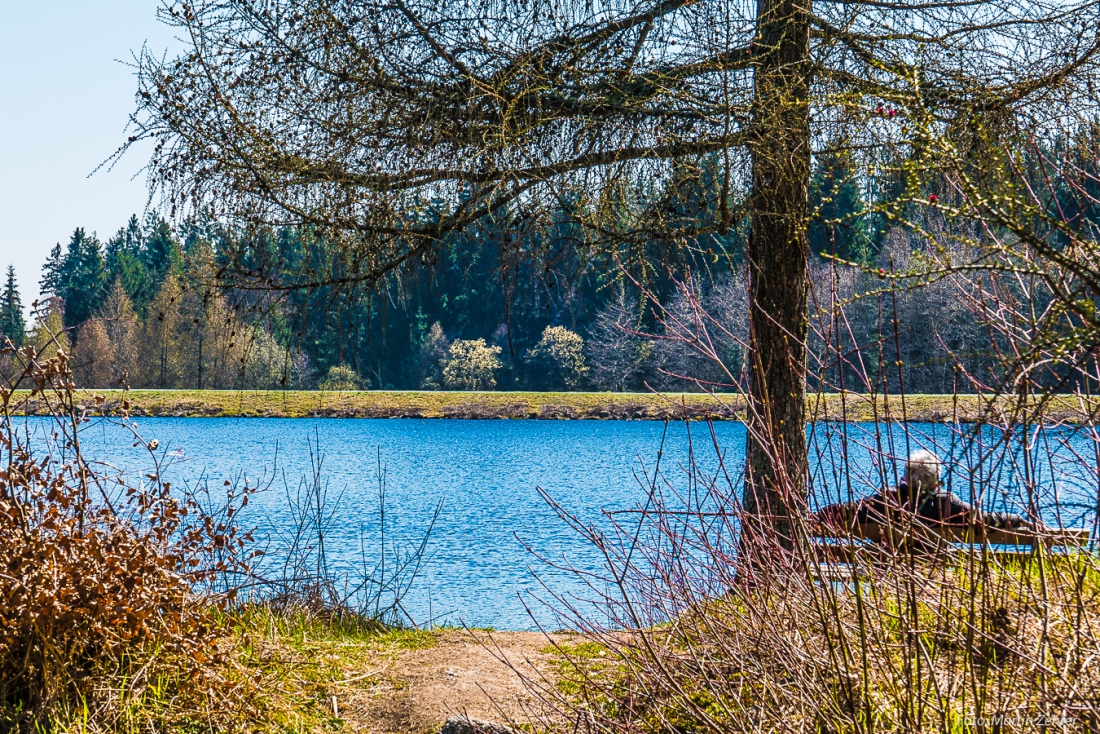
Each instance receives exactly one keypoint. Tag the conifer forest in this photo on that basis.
(156, 306)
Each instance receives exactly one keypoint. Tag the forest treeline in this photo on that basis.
(150, 308)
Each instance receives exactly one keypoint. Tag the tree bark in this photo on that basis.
(778, 261)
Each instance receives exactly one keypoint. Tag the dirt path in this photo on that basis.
(413, 691)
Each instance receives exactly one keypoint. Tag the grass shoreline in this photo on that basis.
(512, 405)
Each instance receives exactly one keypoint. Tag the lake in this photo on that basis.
(482, 566)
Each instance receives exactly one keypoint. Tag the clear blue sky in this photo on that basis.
(65, 96)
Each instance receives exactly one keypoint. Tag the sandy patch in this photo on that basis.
(414, 691)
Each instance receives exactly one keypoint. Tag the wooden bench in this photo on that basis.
(869, 543)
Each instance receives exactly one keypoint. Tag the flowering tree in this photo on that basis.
(471, 364)
(560, 356)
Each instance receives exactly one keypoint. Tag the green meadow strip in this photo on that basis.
(516, 405)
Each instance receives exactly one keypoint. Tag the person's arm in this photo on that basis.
(842, 514)
(1004, 520)
(954, 511)
(850, 514)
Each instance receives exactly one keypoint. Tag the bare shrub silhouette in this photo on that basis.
(704, 619)
(299, 577)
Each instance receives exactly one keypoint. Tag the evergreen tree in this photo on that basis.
(196, 334)
(1076, 201)
(83, 279)
(12, 324)
(124, 258)
(839, 227)
(158, 258)
(127, 241)
(886, 186)
(51, 273)
(161, 253)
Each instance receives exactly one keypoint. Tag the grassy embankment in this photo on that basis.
(543, 405)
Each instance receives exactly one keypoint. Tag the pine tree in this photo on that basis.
(12, 324)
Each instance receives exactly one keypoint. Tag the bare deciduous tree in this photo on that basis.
(616, 351)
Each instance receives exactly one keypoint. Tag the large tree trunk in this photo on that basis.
(778, 277)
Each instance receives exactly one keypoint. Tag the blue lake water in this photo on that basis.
(482, 566)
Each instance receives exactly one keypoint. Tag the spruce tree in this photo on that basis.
(12, 324)
(82, 284)
(51, 273)
(160, 256)
(162, 251)
(839, 226)
(124, 260)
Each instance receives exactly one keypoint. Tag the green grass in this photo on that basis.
(408, 639)
(299, 662)
(513, 405)
(395, 404)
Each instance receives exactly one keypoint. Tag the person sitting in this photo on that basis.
(920, 493)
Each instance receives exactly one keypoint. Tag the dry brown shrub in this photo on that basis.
(108, 608)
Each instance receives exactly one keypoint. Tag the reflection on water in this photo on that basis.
(486, 473)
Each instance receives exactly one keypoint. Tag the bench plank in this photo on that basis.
(833, 559)
(1050, 537)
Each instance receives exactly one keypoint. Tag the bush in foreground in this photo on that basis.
(107, 608)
